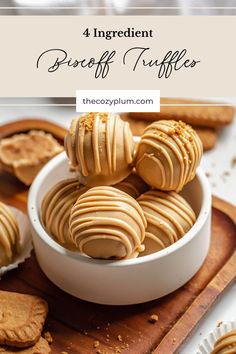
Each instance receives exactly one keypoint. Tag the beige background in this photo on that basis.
(208, 39)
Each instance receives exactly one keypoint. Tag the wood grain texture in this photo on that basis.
(75, 325)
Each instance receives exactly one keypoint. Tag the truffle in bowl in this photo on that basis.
(120, 282)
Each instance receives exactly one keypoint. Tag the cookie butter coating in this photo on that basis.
(168, 154)
(9, 236)
(107, 223)
(100, 147)
(168, 216)
(56, 207)
(132, 185)
(225, 344)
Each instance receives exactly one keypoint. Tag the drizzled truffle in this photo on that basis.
(168, 155)
(168, 217)
(56, 207)
(9, 236)
(132, 185)
(225, 344)
(107, 223)
(100, 147)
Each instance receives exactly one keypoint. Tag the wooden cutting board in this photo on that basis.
(78, 326)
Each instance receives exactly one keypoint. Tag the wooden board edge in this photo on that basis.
(19, 126)
(183, 328)
(226, 207)
(178, 334)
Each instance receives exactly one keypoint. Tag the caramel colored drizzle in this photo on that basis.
(56, 207)
(168, 213)
(132, 185)
(104, 139)
(128, 150)
(9, 233)
(98, 215)
(113, 154)
(174, 144)
(108, 145)
(225, 344)
(79, 148)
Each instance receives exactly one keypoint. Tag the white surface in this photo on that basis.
(103, 281)
(215, 162)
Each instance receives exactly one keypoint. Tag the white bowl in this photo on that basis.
(121, 282)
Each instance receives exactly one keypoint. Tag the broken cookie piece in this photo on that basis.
(25, 154)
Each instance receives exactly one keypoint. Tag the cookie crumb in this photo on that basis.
(153, 318)
(173, 341)
(226, 173)
(125, 346)
(119, 337)
(96, 344)
(233, 162)
(48, 337)
(220, 323)
(208, 175)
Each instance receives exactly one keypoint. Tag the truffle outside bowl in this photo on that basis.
(122, 282)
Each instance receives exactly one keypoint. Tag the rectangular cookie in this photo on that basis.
(208, 136)
(21, 319)
(205, 116)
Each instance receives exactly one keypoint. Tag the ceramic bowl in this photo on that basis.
(120, 282)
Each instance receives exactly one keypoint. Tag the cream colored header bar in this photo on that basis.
(56, 55)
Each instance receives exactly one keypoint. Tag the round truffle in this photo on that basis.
(168, 216)
(100, 147)
(56, 207)
(225, 344)
(107, 223)
(132, 185)
(168, 155)
(9, 236)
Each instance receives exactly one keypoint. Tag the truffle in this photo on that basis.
(9, 236)
(168, 155)
(168, 217)
(56, 207)
(107, 223)
(100, 147)
(132, 185)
